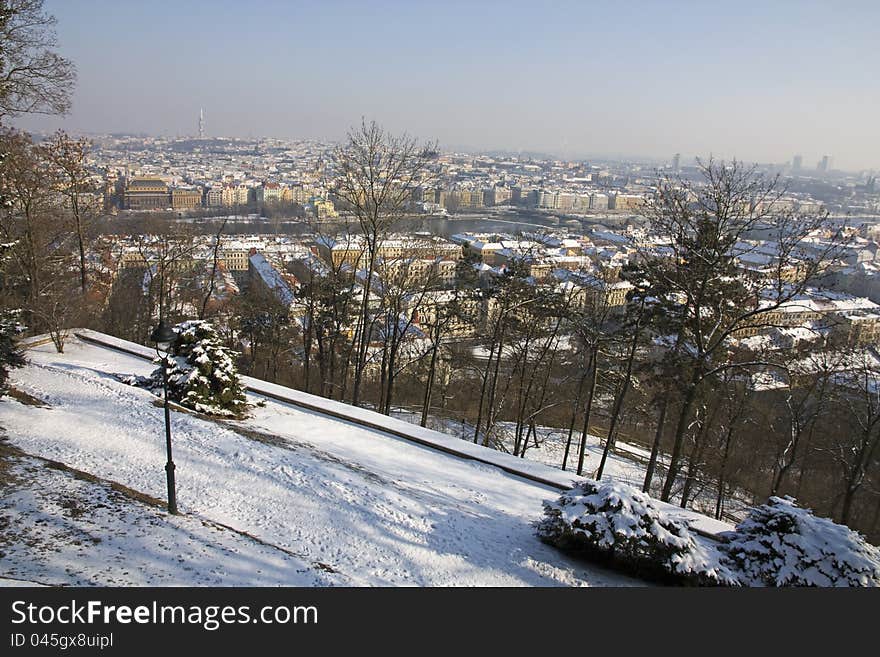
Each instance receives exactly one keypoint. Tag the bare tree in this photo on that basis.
(168, 258)
(737, 397)
(34, 79)
(56, 307)
(856, 452)
(590, 318)
(68, 156)
(806, 400)
(707, 226)
(636, 317)
(330, 311)
(30, 219)
(377, 173)
(215, 264)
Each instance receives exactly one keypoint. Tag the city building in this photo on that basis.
(323, 208)
(143, 193)
(625, 202)
(186, 198)
(270, 192)
(214, 197)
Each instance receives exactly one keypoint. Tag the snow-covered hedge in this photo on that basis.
(628, 528)
(781, 544)
(202, 374)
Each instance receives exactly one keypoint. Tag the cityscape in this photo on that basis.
(364, 357)
(153, 173)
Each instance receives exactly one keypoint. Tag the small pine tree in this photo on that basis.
(10, 354)
(781, 544)
(611, 521)
(202, 374)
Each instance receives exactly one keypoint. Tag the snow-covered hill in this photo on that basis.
(289, 496)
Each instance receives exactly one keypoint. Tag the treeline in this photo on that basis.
(48, 270)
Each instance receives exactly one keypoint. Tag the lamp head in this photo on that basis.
(163, 335)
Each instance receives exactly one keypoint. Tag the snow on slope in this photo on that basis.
(540, 466)
(84, 533)
(375, 508)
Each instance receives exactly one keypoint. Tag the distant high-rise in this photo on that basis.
(797, 163)
(201, 123)
(825, 164)
(676, 162)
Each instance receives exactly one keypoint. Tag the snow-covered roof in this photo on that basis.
(272, 278)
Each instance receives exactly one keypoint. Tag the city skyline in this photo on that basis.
(569, 80)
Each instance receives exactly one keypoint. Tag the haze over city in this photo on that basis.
(760, 83)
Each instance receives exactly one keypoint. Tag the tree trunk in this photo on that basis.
(429, 385)
(849, 495)
(490, 411)
(591, 391)
(390, 376)
(655, 447)
(383, 374)
(81, 243)
(683, 417)
(694, 459)
(483, 387)
(522, 397)
(574, 410)
(618, 403)
(307, 355)
(364, 340)
(722, 472)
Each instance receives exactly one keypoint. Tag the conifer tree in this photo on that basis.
(10, 355)
(202, 374)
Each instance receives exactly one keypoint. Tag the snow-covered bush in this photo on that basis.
(781, 544)
(10, 354)
(619, 524)
(202, 374)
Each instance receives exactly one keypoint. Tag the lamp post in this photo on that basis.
(163, 336)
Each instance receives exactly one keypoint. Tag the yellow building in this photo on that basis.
(235, 257)
(186, 199)
(324, 209)
(465, 199)
(435, 306)
(858, 328)
(270, 192)
(234, 195)
(594, 291)
(626, 202)
(350, 250)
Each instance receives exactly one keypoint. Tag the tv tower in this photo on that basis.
(201, 123)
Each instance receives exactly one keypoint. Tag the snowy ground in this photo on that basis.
(626, 462)
(552, 448)
(330, 502)
(56, 528)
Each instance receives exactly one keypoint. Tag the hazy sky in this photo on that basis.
(756, 80)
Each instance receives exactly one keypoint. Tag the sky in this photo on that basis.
(760, 81)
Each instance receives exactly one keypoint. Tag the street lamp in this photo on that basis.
(163, 336)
